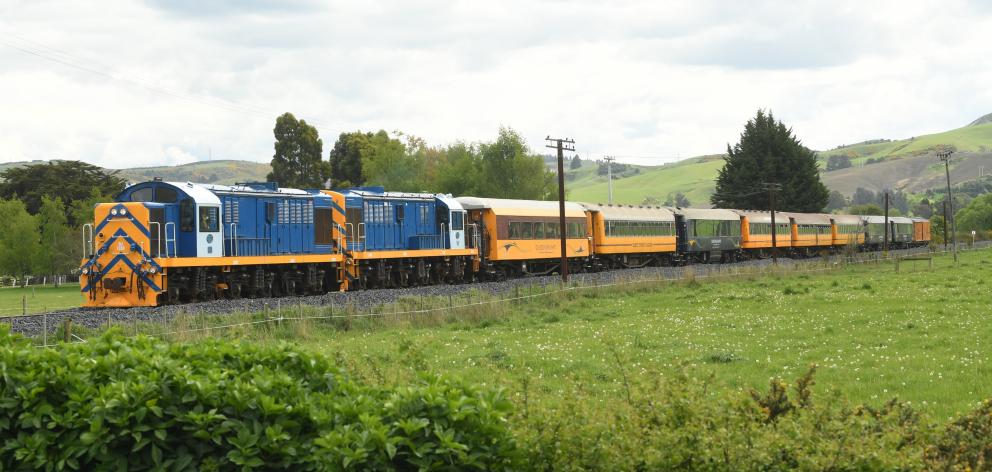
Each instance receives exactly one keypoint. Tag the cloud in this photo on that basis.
(178, 81)
(219, 8)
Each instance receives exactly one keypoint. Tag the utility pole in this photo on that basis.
(609, 174)
(885, 238)
(562, 145)
(945, 224)
(945, 155)
(773, 189)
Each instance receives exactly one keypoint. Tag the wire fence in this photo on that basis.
(467, 306)
(9, 281)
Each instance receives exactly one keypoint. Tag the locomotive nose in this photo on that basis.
(118, 270)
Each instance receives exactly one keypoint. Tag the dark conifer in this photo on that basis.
(769, 152)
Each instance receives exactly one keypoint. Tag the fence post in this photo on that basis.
(24, 305)
(67, 330)
(44, 328)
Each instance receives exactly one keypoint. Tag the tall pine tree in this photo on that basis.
(769, 152)
(297, 161)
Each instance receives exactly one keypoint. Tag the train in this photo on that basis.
(161, 242)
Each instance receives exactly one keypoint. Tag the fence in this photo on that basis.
(38, 280)
(471, 305)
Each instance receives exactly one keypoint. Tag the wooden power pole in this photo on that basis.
(562, 145)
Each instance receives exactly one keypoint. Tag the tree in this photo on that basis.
(509, 170)
(977, 216)
(923, 209)
(346, 159)
(677, 199)
(576, 163)
(863, 196)
(297, 161)
(838, 162)
(769, 152)
(868, 209)
(19, 239)
(458, 170)
(385, 162)
(69, 180)
(836, 201)
(55, 255)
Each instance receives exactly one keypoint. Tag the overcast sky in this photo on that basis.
(126, 83)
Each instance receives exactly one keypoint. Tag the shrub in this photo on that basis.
(678, 423)
(140, 403)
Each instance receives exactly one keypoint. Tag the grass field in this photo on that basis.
(38, 299)
(919, 335)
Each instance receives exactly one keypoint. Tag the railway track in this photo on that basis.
(34, 324)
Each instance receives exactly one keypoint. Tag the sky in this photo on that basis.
(123, 83)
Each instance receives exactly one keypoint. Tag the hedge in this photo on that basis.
(140, 403)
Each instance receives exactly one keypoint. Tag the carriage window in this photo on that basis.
(514, 231)
(551, 230)
(526, 230)
(538, 230)
(186, 218)
(209, 221)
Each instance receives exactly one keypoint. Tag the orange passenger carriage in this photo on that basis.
(519, 237)
(631, 236)
(756, 231)
(810, 231)
(848, 230)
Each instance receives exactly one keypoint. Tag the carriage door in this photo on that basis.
(456, 234)
(682, 233)
(209, 237)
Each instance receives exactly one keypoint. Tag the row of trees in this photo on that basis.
(504, 168)
(43, 207)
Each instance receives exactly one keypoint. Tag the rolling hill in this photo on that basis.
(907, 164)
(208, 172)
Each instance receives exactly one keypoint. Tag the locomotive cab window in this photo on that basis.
(166, 195)
(209, 220)
(457, 221)
(186, 218)
(143, 195)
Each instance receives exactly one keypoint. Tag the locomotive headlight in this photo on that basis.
(86, 271)
(113, 212)
(152, 270)
(123, 211)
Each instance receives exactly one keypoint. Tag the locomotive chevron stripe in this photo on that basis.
(134, 268)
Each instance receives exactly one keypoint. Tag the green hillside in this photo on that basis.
(209, 172)
(976, 137)
(906, 164)
(693, 177)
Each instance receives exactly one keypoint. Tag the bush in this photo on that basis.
(680, 423)
(139, 403)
